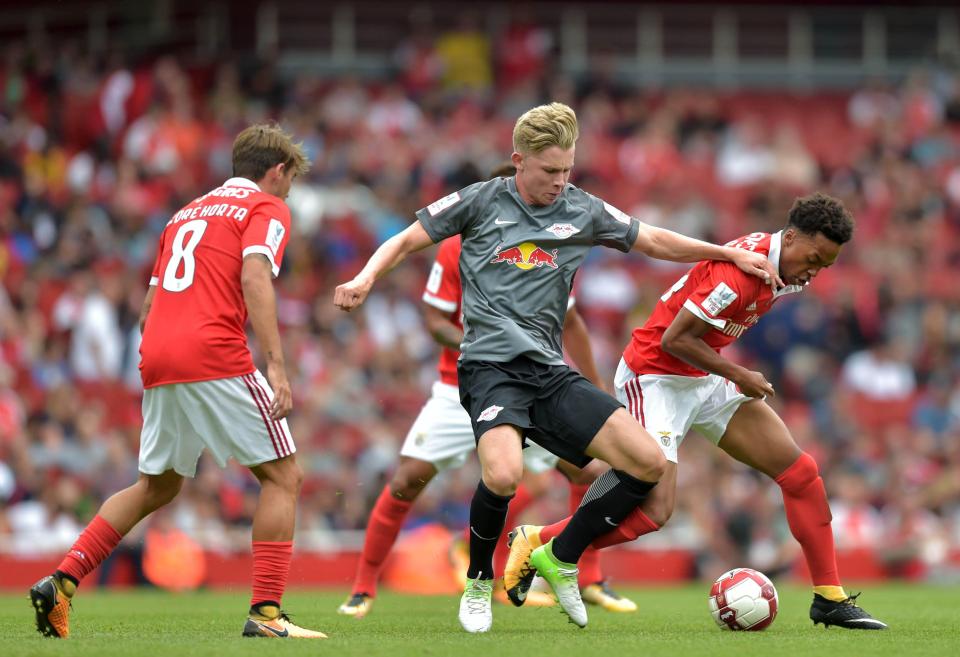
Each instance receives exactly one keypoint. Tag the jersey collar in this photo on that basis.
(237, 181)
(776, 241)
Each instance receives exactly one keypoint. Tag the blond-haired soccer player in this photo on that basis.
(523, 239)
(215, 264)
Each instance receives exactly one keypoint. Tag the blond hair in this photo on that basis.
(262, 147)
(545, 126)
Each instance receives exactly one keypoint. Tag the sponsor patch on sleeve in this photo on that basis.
(437, 207)
(275, 233)
(436, 275)
(721, 297)
(617, 214)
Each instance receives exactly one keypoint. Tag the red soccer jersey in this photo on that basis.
(195, 328)
(443, 292)
(719, 293)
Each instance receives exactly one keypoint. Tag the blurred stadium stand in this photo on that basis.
(705, 119)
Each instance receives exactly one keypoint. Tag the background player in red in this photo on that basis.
(673, 379)
(442, 438)
(214, 267)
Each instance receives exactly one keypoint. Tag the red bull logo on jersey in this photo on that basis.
(526, 256)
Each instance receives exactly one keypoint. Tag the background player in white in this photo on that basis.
(441, 438)
(215, 263)
(672, 378)
(524, 239)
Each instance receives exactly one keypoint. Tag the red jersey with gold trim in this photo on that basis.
(195, 327)
(728, 299)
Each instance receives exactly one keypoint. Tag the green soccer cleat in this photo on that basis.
(476, 607)
(562, 578)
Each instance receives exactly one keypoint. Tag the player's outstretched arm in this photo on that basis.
(665, 244)
(390, 254)
(145, 308)
(683, 340)
(576, 341)
(256, 279)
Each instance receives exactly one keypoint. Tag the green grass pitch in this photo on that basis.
(673, 622)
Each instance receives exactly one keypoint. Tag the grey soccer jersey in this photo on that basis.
(518, 262)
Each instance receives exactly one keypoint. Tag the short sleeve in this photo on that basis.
(442, 290)
(267, 232)
(613, 228)
(452, 214)
(723, 292)
(155, 274)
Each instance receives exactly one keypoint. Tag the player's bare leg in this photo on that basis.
(273, 525)
(51, 595)
(501, 465)
(409, 480)
(758, 437)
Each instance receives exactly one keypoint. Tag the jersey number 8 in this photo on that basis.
(183, 253)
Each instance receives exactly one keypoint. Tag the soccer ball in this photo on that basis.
(743, 599)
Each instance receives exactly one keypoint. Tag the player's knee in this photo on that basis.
(405, 486)
(657, 511)
(502, 479)
(160, 493)
(646, 464)
(586, 475)
(800, 474)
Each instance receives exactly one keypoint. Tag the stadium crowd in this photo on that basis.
(97, 152)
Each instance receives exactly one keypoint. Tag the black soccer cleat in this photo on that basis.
(845, 614)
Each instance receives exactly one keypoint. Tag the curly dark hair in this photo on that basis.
(819, 213)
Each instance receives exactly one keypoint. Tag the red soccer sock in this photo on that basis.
(521, 500)
(271, 565)
(385, 522)
(808, 514)
(552, 531)
(633, 526)
(589, 563)
(93, 546)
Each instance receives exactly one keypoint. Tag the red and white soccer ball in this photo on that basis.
(743, 599)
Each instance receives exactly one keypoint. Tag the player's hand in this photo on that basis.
(282, 402)
(758, 265)
(350, 295)
(755, 384)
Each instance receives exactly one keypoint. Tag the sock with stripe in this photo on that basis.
(589, 563)
(385, 522)
(488, 513)
(608, 501)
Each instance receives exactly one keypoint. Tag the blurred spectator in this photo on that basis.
(97, 152)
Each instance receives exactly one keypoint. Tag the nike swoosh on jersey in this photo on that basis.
(500, 222)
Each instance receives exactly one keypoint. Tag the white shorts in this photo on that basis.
(668, 406)
(443, 436)
(230, 417)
